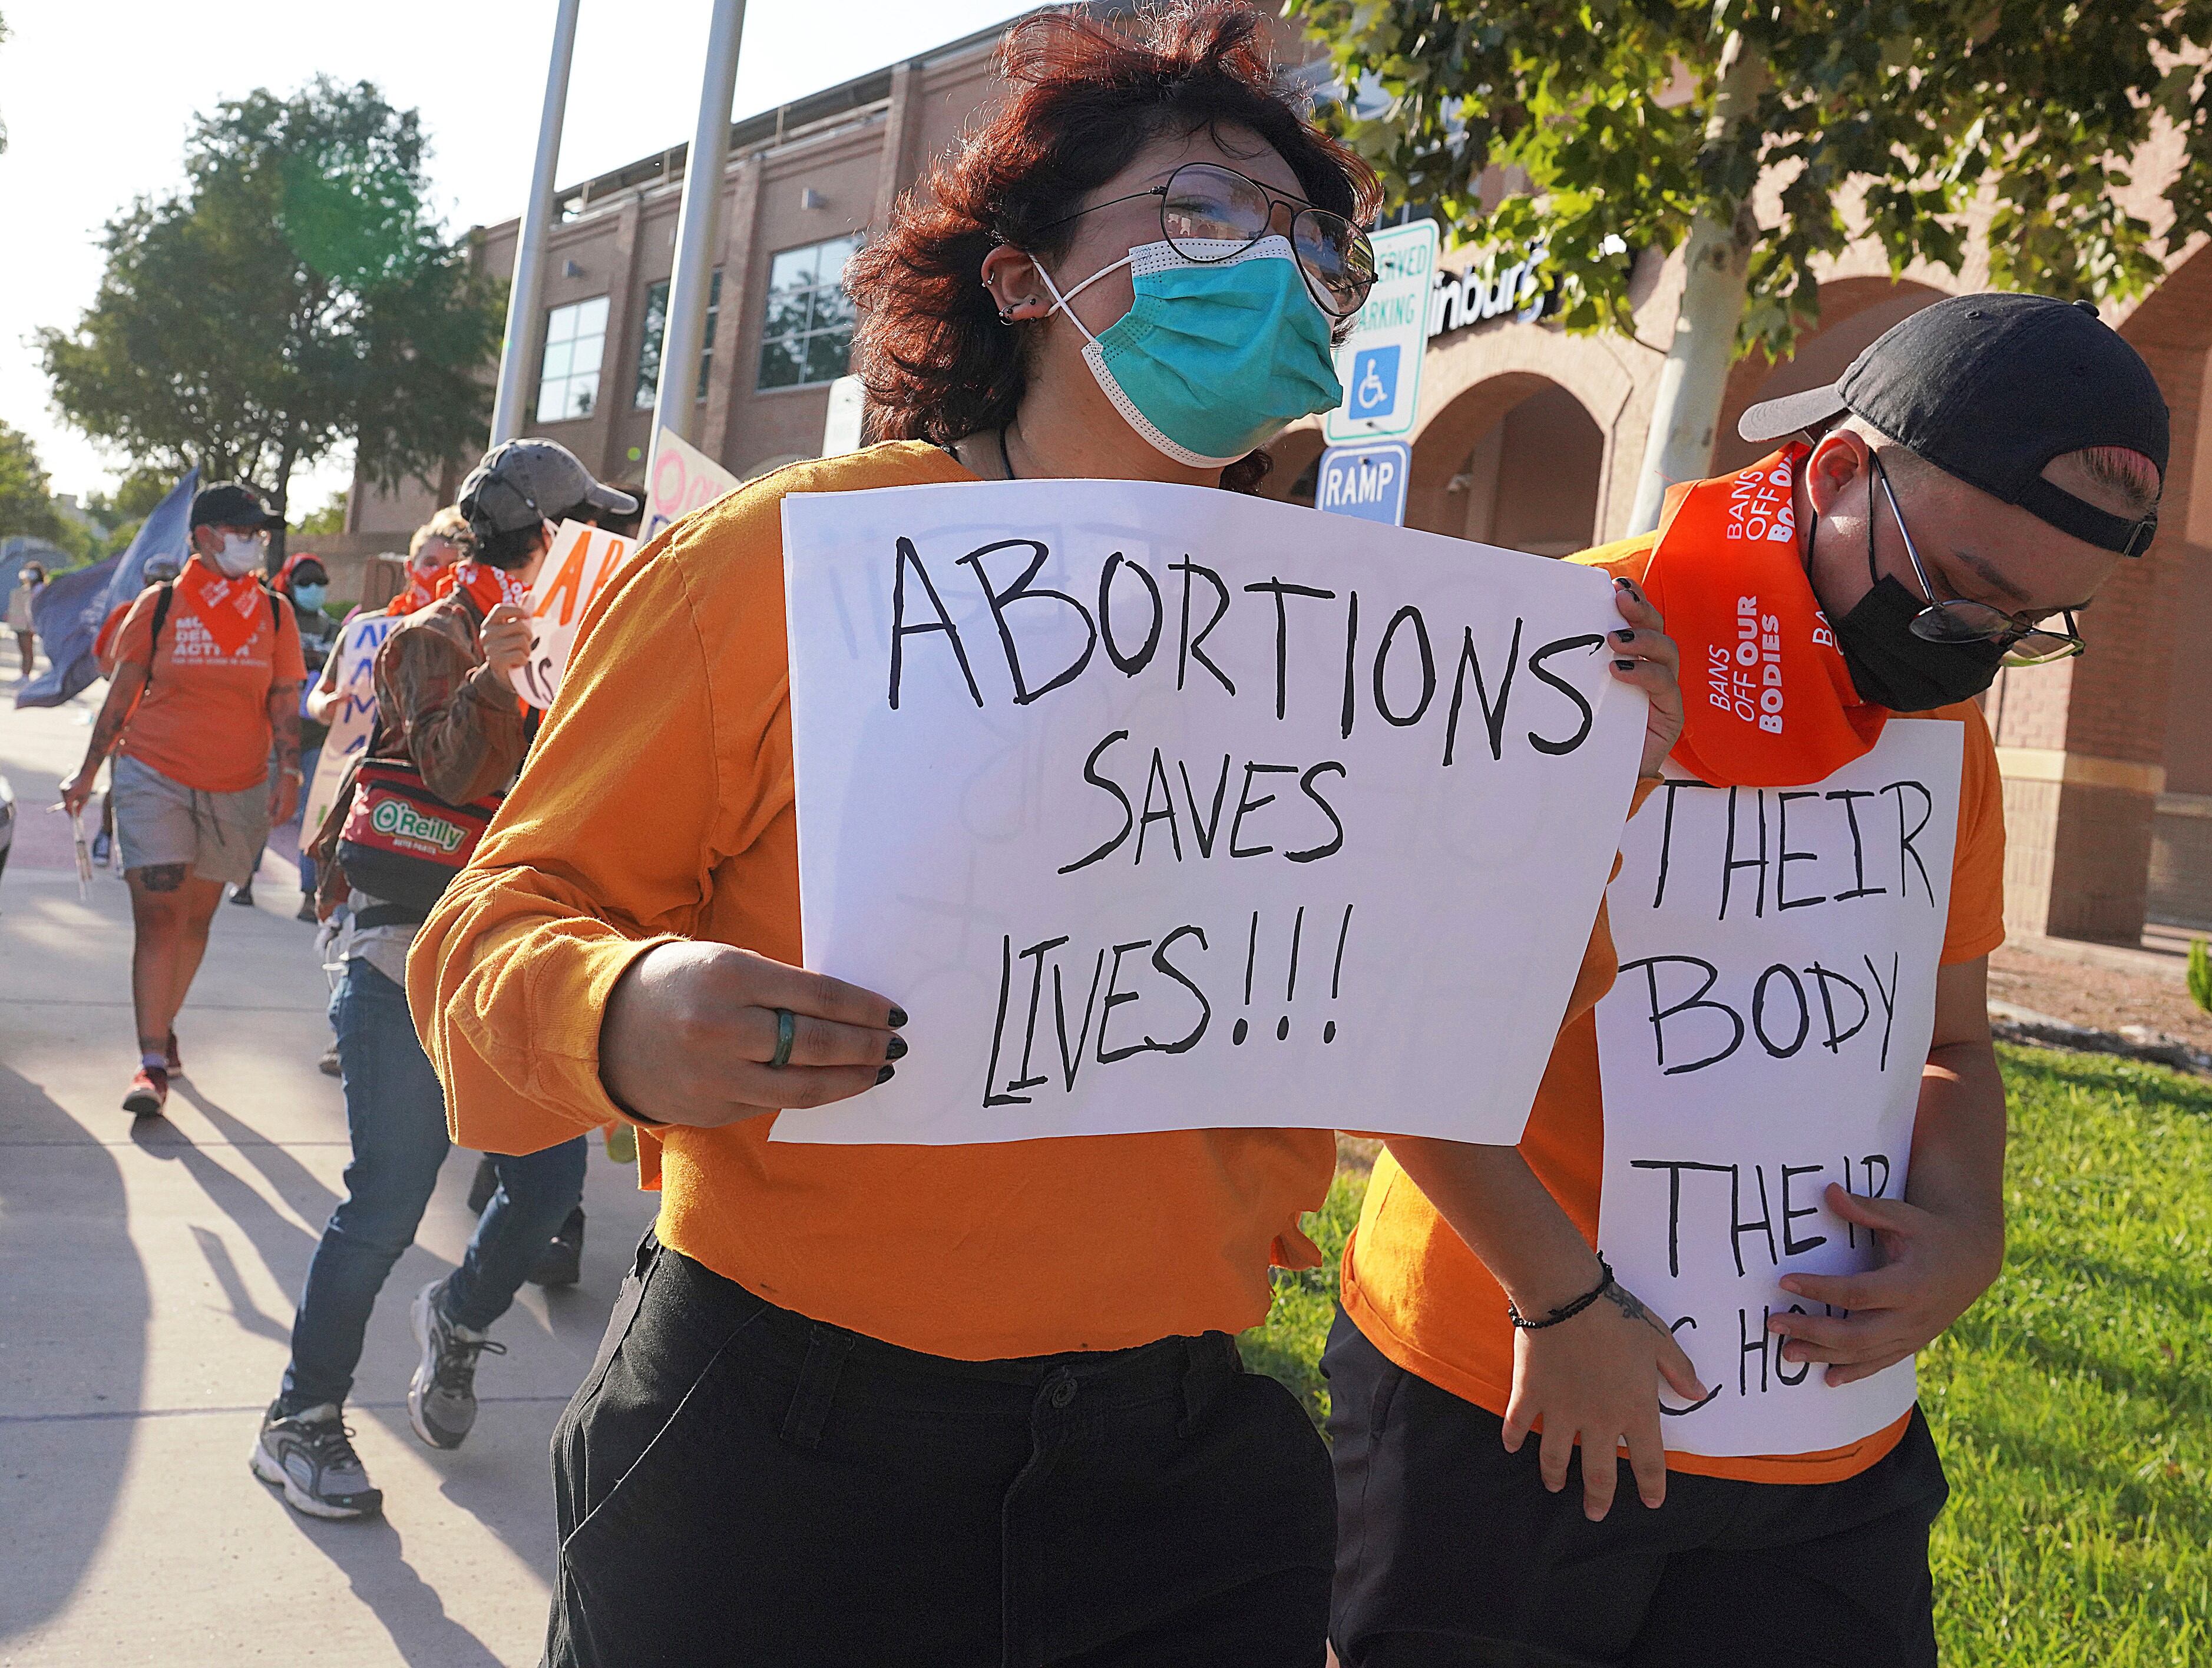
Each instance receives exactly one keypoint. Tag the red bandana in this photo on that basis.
(1770, 702)
(231, 609)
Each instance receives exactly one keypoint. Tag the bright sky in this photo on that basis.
(97, 100)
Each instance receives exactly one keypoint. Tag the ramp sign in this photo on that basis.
(1380, 363)
(1366, 480)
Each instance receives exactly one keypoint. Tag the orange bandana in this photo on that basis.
(231, 609)
(488, 586)
(1770, 703)
(423, 589)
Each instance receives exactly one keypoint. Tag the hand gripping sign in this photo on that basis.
(1164, 808)
(1776, 999)
(582, 560)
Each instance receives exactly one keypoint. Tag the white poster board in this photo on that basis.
(683, 479)
(353, 717)
(1777, 996)
(582, 560)
(1159, 807)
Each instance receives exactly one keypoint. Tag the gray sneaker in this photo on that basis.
(310, 1456)
(441, 1397)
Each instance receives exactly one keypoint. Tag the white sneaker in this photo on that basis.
(441, 1397)
(310, 1456)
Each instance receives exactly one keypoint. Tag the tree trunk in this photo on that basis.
(1679, 446)
(279, 498)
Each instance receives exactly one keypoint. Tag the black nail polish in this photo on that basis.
(899, 1018)
(1624, 665)
(884, 1075)
(1626, 634)
(896, 1051)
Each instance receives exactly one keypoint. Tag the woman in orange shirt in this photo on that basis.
(932, 1404)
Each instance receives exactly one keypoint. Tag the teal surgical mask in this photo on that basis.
(310, 597)
(1213, 359)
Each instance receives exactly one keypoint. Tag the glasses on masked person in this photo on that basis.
(2025, 638)
(1210, 214)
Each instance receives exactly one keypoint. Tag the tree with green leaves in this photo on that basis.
(296, 293)
(27, 504)
(1651, 124)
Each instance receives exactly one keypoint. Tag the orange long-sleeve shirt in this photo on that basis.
(658, 805)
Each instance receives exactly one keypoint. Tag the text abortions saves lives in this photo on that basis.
(1777, 996)
(1163, 808)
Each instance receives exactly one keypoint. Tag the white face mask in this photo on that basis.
(238, 556)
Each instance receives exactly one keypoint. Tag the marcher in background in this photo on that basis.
(451, 734)
(1971, 480)
(28, 578)
(439, 544)
(928, 1404)
(204, 695)
(303, 581)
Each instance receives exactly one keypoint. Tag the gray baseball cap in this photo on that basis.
(522, 482)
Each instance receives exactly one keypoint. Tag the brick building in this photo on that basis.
(1525, 437)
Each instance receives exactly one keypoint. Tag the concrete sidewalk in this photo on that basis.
(148, 1275)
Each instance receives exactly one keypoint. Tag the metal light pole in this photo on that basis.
(698, 230)
(510, 405)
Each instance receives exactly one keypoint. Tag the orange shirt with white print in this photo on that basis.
(657, 805)
(1423, 1299)
(203, 720)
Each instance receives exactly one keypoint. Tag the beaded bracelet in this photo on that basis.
(1565, 1311)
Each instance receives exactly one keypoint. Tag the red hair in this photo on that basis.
(1083, 97)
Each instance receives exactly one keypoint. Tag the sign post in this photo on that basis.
(1380, 363)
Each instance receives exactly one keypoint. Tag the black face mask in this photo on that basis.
(1892, 667)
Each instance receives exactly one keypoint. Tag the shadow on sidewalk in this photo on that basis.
(373, 1559)
(296, 1185)
(73, 1274)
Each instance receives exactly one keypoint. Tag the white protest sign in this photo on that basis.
(683, 479)
(582, 560)
(1160, 807)
(1777, 996)
(355, 714)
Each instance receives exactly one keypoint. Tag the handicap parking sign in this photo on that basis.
(1374, 382)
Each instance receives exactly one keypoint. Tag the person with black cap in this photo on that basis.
(203, 711)
(1946, 508)
(450, 736)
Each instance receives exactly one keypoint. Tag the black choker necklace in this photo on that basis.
(1005, 457)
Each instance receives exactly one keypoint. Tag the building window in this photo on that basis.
(568, 380)
(808, 335)
(656, 326)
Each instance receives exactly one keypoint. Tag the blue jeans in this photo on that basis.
(396, 1117)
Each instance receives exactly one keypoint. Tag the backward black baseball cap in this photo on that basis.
(228, 504)
(1990, 388)
(522, 482)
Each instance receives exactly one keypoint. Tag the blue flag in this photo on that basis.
(69, 611)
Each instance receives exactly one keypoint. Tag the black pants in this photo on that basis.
(737, 1485)
(1451, 1552)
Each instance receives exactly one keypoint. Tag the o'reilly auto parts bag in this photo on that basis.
(401, 843)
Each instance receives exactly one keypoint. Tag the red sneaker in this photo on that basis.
(150, 1091)
(175, 1064)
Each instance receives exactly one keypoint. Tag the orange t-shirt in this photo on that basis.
(1423, 1299)
(203, 721)
(657, 805)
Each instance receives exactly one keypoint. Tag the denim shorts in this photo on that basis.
(159, 820)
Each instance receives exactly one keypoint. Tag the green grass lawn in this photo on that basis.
(2072, 1405)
